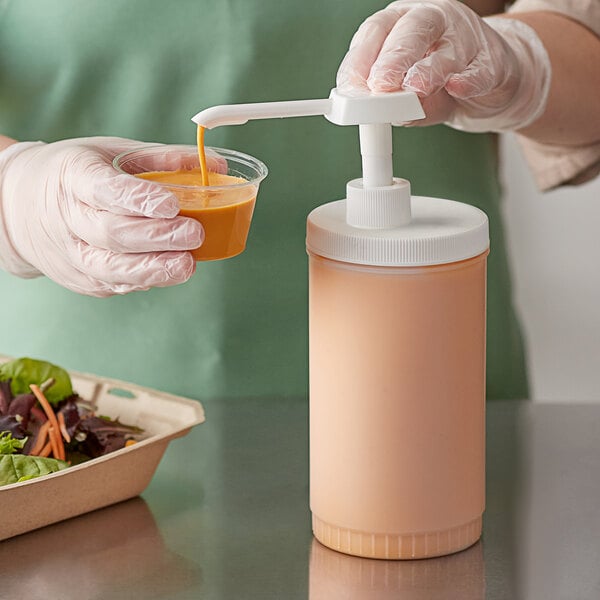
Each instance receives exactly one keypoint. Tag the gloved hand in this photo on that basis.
(65, 212)
(475, 74)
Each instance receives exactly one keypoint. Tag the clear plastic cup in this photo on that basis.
(224, 210)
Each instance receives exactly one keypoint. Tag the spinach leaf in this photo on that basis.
(25, 371)
(20, 467)
(9, 444)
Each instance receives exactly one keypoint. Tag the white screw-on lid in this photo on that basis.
(440, 231)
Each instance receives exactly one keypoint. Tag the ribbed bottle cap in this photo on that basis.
(379, 207)
(440, 231)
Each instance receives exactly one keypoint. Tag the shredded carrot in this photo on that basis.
(58, 448)
(59, 443)
(40, 440)
(53, 442)
(63, 427)
(45, 451)
(130, 443)
(202, 155)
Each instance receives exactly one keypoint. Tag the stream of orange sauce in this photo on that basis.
(202, 154)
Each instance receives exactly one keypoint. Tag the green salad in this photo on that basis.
(45, 426)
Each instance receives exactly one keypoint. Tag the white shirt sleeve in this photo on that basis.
(556, 165)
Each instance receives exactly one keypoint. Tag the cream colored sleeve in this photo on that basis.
(555, 165)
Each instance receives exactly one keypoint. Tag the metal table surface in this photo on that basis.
(226, 517)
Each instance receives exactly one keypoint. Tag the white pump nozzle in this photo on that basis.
(238, 114)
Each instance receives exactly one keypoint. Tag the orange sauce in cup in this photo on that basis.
(225, 213)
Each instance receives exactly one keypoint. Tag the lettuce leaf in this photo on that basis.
(9, 444)
(20, 467)
(24, 371)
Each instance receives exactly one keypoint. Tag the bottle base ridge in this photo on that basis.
(397, 546)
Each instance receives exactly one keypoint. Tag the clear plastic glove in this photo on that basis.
(66, 213)
(474, 74)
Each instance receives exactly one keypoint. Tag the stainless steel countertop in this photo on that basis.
(226, 517)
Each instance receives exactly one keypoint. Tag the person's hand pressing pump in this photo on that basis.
(475, 74)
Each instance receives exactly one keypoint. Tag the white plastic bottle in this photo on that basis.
(397, 373)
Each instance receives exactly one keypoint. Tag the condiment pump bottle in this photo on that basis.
(397, 291)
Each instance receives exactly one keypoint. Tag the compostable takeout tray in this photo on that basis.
(116, 476)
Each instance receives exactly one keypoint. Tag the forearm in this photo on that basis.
(572, 115)
(485, 7)
(5, 142)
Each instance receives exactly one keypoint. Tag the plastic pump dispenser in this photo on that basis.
(397, 347)
(390, 207)
(442, 231)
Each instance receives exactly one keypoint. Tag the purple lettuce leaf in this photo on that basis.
(14, 425)
(21, 405)
(99, 435)
(5, 396)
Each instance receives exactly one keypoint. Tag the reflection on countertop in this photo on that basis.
(333, 575)
(112, 553)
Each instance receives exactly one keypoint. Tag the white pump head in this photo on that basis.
(377, 200)
(359, 108)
